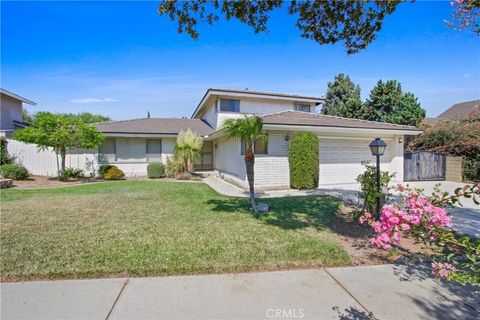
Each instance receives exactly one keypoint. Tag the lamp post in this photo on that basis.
(377, 147)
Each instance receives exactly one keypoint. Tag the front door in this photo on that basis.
(206, 160)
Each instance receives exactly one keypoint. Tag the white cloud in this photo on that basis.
(93, 100)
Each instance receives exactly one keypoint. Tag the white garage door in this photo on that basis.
(340, 159)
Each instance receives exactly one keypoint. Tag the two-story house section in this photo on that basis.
(11, 117)
(220, 104)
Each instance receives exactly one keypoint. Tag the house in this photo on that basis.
(11, 109)
(461, 110)
(344, 142)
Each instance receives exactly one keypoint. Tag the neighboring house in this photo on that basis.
(461, 110)
(11, 108)
(343, 142)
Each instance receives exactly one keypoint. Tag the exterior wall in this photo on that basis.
(453, 170)
(10, 110)
(272, 170)
(44, 162)
(247, 105)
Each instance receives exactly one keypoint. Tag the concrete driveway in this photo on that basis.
(466, 218)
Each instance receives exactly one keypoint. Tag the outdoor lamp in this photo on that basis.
(378, 147)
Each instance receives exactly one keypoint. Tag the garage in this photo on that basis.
(340, 159)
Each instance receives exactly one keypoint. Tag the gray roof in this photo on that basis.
(460, 110)
(300, 118)
(155, 126)
(16, 96)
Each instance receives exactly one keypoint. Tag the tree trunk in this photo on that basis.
(63, 153)
(250, 164)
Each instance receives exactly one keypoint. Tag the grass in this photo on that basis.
(144, 228)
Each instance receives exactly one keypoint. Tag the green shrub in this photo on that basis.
(303, 160)
(155, 170)
(113, 173)
(103, 169)
(74, 173)
(13, 171)
(5, 157)
(471, 168)
(173, 167)
(370, 192)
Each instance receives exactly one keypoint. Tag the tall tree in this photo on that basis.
(60, 132)
(248, 129)
(343, 98)
(355, 22)
(388, 103)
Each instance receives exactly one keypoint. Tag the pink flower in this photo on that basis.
(443, 270)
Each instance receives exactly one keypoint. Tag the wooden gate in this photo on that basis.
(424, 166)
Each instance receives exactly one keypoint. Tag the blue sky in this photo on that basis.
(122, 59)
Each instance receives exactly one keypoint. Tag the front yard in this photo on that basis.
(143, 228)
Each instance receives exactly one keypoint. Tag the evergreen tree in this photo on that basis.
(388, 103)
(343, 98)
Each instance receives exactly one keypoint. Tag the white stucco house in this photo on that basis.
(11, 106)
(132, 144)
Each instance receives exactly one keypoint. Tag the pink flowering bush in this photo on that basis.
(426, 219)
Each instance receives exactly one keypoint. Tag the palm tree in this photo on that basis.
(249, 130)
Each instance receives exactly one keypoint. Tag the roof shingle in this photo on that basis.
(155, 125)
(460, 110)
(300, 118)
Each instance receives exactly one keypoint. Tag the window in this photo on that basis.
(154, 150)
(302, 107)
(107, 151)
(229, 105)
(131, 150)
(259, 146)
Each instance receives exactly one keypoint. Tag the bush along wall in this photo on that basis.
(303, 160)
(155, 170)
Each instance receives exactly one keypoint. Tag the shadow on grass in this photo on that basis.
(287, 213)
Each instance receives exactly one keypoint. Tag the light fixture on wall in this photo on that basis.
(400, 140)
(287, 138)
(216, 146)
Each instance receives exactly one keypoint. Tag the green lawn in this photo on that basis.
(143, 228)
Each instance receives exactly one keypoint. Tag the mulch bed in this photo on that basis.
(355, 237)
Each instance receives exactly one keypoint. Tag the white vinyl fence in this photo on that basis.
(45, 162)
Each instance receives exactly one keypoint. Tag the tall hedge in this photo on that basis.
(303, 160)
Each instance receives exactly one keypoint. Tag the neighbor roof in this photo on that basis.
(155, 126)
(16, 96)
(460, 110)
(254, 94)
(299, 118)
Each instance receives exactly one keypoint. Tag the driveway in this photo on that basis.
(466, 218)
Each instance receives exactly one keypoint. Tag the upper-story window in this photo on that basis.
(302, 107)
(229, 105)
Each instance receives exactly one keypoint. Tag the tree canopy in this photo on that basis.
(355, 22)
(343, 98)
(388, 103)
(60, 132)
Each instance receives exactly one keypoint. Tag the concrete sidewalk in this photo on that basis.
(380, 292)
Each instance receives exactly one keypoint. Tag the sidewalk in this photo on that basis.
(386, 292)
